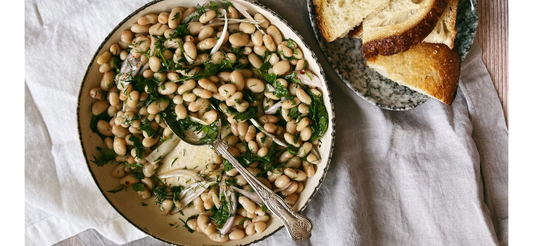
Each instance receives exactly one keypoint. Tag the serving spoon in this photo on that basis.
(298, 226)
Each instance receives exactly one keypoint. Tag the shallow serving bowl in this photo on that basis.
(148, 218)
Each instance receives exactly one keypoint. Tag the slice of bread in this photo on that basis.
(400, 26)
(445, 30)
(337, 17)
(356, 32)
(431, 69)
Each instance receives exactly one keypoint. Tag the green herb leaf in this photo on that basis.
(94, 122)
(106, 156)
(246, 115)
(138, 187)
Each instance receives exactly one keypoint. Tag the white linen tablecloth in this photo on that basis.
(434, 175)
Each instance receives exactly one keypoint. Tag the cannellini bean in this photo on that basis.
(237, 234)
(291, 200)
(309, 169)
(238, 80)
(175, 17)
(300, 93)
(247, 28)
(107, 80)
(210, 231)
(207, 85)
(276, 35)
(190, 51)
(227, 90)
(311, 158)
(187, 86)
(231, 140)
(118, 171)
(210, 116)
(242, 128)
(291, 189)
(291, 127)
(181, 111)
(147, 19)
(136, 28)
(290, 103)
(269, 43)
(224, 76)
(234, 99)
(303, 124)
(306, 133)
(99, 107)
(239, 179)
(166, 206)
(260, 226)
(155, 63)
(129, 180)
(163, 17)
(168, 89)
(252, 145)
(144, 194)
(250, 229)
(257, 38)
(149, 170)
(193, 224)
(289, 138)
(195, 28)
(241, 107)
(259, 50)
(274, 174)
(108, 143)
(285, 156)
(103, 58)
(300, 65)
(202, 221)
(264, 22)
(295, 174)
(281, 67)
(120, 131)
(250, 134)
(104, 128)
(207, 16)
(158, 29)
(199, 92)
(300, 187)
(239, 39)
(285, 50)
(294, 162)
(303, 109)
(125, 39)
(206, 44)
(255, 60)
(206, 32)
(199, 205)
(281, 181)
(215, 237)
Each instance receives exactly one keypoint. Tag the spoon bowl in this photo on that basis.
(298, 226)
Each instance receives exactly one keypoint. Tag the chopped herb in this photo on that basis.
(280, 90)
(246, 115)
(106, 156)
(263, 207)
(175, 159)
(243, 220)
(144, 204)
(138, 187)
(139, 175)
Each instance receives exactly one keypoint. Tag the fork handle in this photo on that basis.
(298, 226)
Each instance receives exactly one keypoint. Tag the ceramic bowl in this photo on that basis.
(148, 219)
(347, 60)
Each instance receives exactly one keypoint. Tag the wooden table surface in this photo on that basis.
(493, 37)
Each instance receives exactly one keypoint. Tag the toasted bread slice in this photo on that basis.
(337, 17)
(356, 32)
(431, 69)
(445, 30)
(400, 26)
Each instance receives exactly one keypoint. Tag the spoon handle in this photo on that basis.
(298, 226)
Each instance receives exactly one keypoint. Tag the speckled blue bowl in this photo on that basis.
(347, 59)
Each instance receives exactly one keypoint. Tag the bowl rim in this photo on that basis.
(259, 5)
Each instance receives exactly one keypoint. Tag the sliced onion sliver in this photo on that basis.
(232, 207)
(274, 138)
(188, 195)
(244, 12)
(181, 173)
(306, 77)
(222, 37)
(249, 194)
(163, 149)
(274, 108)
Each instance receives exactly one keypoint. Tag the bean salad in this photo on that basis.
(196, 65)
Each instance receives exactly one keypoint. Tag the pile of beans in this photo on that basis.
(152, 41)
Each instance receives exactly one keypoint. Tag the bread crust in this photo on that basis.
(401, 42)
(356, 32)
(321, 23)
(432, 69)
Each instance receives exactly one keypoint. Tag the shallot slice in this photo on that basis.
(249, 194)
(222, 37)
(188, 195)
(244, 12)
(232, 207)
(308, 78)
(181, 173)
